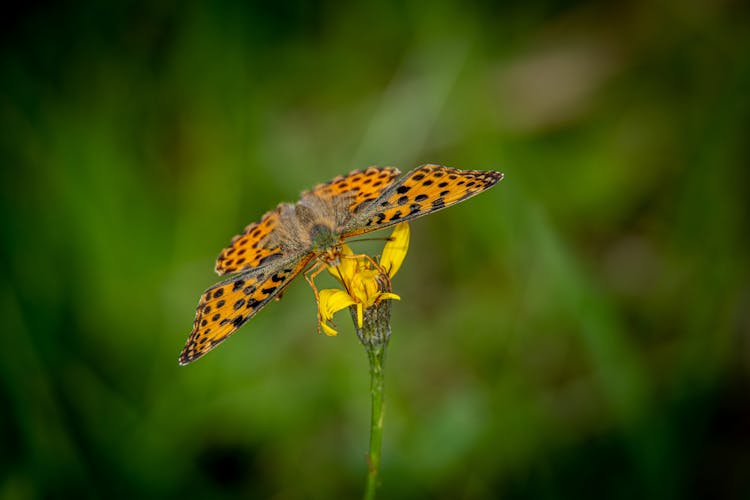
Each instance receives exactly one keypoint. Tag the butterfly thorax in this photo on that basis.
(322, 220)
(322, 237)
(312, 225)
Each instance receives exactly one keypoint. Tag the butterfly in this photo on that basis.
(271, 252)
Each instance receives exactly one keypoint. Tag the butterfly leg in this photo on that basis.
(310, 276)
(313, 273)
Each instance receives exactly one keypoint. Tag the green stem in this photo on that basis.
(377, 358)
(374, 335)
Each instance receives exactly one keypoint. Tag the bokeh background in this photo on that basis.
(580, 331)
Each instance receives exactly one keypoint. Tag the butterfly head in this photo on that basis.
(326, 243)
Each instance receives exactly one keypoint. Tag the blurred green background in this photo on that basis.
(580, 331)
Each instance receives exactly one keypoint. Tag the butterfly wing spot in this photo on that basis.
(247, 250)
(227, 306)
(422, 191)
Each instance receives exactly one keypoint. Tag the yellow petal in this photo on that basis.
(364, 287)
(395, 250)
(328, 330)
(391, 296)
(331, 301)
(359, 315)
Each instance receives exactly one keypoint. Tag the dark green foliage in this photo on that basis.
(582, 330)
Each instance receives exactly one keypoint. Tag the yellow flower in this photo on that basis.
(365, 281)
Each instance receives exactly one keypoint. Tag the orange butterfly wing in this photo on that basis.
(422, 191)
(363, 185)
(225, 307)
(249, 249)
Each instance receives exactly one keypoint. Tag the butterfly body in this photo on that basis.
(271, 252)
(311, 225)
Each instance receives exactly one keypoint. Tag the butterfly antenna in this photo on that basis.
(386, 238)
